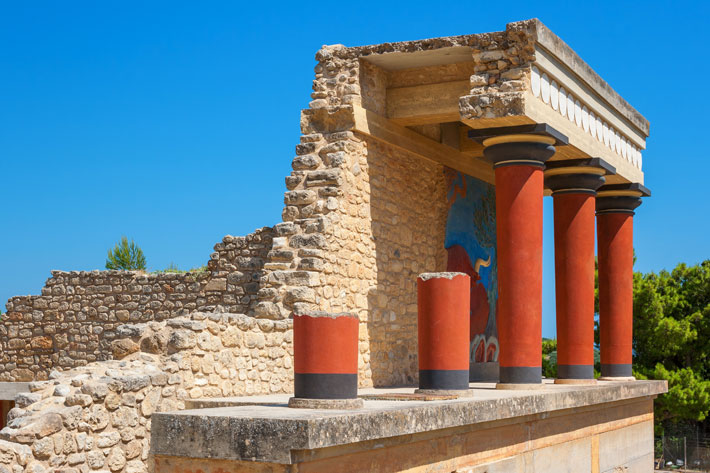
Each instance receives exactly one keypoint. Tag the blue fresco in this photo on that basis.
(471, 245)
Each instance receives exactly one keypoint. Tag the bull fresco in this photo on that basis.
(471, 248)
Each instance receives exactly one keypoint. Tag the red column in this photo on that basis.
(574, 184)
(519, 192)
(574, 282)
(325, 350)
(616, 249)
(443, 301)
(519, 159)
(615, 235)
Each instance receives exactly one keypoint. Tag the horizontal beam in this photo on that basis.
(422, 104)
(379, 127)
(8, 391)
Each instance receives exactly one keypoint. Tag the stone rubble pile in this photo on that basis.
(96, 418)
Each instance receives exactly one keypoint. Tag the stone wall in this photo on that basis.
(97, 417)
(74, 320)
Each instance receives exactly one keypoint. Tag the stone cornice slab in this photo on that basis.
(271, 432)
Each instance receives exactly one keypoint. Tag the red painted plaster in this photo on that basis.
(519, 192)
(443, 323)
(616, 260)
(574, 278)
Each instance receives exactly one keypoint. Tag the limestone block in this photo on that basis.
(150, 402)
(97, 390)
(98, 417)
(268, 309)
(217, 284)
(305, 162)
(76, 458)
(108, 439)
(124, 347)
(95, 459)
(43, 448)
(25, 399)
(299, 197)
(182, 340)
(43, 426)
(299, 294)
(295, 278)
(41, 343)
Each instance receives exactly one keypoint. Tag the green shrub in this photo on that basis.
(126, 256)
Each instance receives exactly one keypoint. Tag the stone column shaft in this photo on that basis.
(325, 356)
(519, 193)
(443, 319)
(615, 214)
(519, 155)
(574, 184)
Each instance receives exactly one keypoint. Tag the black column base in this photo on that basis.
(616, 371)
(443, 379)
(575, 371)
(484, 372)
(521, 374)
(325, 386)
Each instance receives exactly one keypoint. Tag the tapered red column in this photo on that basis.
(615, 214)
(574, 184)
(519, 160)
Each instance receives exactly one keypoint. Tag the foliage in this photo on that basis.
(173, 268)
(672, 338)
(126, 256)
(549, 358)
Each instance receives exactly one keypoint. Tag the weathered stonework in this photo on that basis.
(74, 320)
(97, 417)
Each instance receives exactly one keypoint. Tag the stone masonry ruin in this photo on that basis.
(386, 185)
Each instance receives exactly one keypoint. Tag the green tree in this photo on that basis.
(126, 256)
(549, 358)
(672, 338)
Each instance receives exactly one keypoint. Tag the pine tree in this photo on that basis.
(125, 256)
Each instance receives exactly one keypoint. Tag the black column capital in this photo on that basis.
(523, 145)
(577, 176)
(620, 198)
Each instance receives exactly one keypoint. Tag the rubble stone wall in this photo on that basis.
(383, 226)
(97, 417)
(74, 320)
(408, 208)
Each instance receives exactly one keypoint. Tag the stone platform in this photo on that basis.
(559, 428)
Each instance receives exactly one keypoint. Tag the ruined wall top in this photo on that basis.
(423, 52)
(522, 75)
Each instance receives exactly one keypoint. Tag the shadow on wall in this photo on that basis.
(408, 210)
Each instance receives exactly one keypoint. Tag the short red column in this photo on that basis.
(574, 184)
(325, 350)
(518, 161)
(443, 301)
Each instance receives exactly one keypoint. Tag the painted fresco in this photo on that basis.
(471, 247)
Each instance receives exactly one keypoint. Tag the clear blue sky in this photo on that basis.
(175, 122)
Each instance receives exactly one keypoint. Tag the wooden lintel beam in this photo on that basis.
(423, 104)
(379, 127)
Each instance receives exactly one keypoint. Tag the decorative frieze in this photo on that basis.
(547, 89)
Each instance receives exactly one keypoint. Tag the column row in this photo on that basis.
(520, 158)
